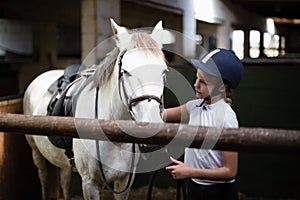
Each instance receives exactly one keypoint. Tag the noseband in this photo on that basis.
(132, 101)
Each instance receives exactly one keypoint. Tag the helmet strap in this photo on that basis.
(214, 93)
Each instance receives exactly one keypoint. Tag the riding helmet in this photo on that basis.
(222, 63)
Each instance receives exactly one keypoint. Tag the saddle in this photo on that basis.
(64, 90)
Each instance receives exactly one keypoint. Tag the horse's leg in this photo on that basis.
(91, 190)
(65, 181)
(88, 169)
(119, 185)
(41, 163)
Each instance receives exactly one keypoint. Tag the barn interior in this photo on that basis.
(36, 36)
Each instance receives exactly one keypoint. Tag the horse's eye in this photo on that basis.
(164, 76)
(164, 73)
(126, 72)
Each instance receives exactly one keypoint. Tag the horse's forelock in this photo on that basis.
(140, 40)
(144, 42)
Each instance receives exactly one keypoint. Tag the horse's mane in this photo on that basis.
(105, 68)
(140, 40)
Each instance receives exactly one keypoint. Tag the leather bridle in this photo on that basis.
(129, 100)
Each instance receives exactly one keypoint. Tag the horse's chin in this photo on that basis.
(145, 120)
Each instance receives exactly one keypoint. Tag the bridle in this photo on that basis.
(130, 101)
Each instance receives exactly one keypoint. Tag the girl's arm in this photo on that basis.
(176, 113)
(227, 172)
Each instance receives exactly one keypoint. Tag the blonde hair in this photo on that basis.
(227, 97)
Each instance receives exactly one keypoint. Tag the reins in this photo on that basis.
(179, 185)
(104, 180)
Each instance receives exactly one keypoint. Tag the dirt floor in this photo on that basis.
(157, 194)
(141, 194)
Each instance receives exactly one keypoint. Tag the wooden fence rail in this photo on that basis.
(237, 139)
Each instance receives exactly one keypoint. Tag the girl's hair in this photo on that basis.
(227, 97)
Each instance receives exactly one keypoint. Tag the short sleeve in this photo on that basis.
(231, 121)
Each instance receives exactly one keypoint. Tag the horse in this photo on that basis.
(128, 84)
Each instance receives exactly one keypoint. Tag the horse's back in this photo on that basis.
(37, 97)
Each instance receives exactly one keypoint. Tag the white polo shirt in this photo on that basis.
(218, 115)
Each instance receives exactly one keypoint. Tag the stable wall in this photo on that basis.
(50, 22)
(268, 97)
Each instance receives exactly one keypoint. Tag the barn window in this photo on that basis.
(238, 43)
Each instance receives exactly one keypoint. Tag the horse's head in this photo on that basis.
(142, 68)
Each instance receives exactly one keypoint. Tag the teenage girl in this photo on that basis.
(210, 174)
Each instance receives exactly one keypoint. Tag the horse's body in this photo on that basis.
(107, 95)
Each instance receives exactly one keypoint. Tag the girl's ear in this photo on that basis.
(223, 87)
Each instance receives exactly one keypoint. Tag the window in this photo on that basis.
(238, 43)
(271, 45)
(254, 44)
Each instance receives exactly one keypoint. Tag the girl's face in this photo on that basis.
(201, 86)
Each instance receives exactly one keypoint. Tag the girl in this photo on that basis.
(210, 174)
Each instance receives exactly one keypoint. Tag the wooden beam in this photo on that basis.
(235, 139)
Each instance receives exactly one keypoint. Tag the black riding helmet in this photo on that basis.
(222, 63)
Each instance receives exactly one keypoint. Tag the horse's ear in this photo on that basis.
(116, 28)
(157, 33)
(162, 36)
(121, 34)
(158, 26)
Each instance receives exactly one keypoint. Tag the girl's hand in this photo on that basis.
(179, 170)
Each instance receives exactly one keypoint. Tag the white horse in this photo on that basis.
(128, 84)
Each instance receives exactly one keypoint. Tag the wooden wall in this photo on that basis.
(18, 175)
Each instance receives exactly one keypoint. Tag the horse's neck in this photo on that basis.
(110, 103)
